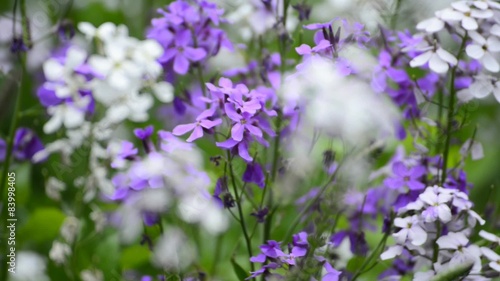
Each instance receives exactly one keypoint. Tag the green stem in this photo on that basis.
(274, 170)
(240, 212)
(308, 206)
(394, 19)
(451, 109)
(10, 141)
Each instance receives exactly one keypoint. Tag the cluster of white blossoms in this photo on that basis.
(477, 23)
(120, 77)
(437, 227)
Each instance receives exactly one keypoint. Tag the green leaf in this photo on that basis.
(355, 263)
(42, 226)
(240, 272)
(455, 273)
(134, 256)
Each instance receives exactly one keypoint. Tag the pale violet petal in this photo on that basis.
(438, 65)
(421, 59)
(490, 63)
(474, 51)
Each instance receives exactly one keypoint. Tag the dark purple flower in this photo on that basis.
(356, 239)
(222, 195)
(66, 30)
(145, 133)
(26, 144)
(18, 45)
(261, 214)
(254, 174)
(3, 149)
(405, 177)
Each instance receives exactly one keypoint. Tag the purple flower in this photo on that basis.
(356, 240)
(306, 50)
(182, 52)
(145, 133)
(126, 152)
(243, 122)
(240, 146)
(221, 194)
(254, 174)
(405, 177)
(3, 149)
(26, 144)
(331, 273)
(263, 270)
(300, 245)
(261, 214)
(316, 26)
(272, 249)
(202, 122)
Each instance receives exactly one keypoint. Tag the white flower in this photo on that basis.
(486, 4)
(104, 32)
(54, 70)
(59, 252)
(482, 86)
(431, 25)
(438, 207)
(70, 229)
(411, 230)
(466, 15)
(173, 251)
(482, 50)
(423, 276)
(99, 219)
(475, 148)
(53, 188)
(391, 252)
(493, 257)
(65, 114)
(145, 55)
(489, 236)
(438, 59)
(457, 242)
(115, 67)
(122, 104)
(30, 267)
(91, 275)
(163, 91)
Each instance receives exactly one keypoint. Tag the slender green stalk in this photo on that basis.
(394, 19)
(6, 165)
(10, 141)
(368, 260)
(451, 111)
(248, 241)
(274, 170)
(294, 224)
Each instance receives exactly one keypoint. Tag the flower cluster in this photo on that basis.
(246, 112)
(435, 229)
(26, 145)
(149, 185)
(274, 258)
(189, 34)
